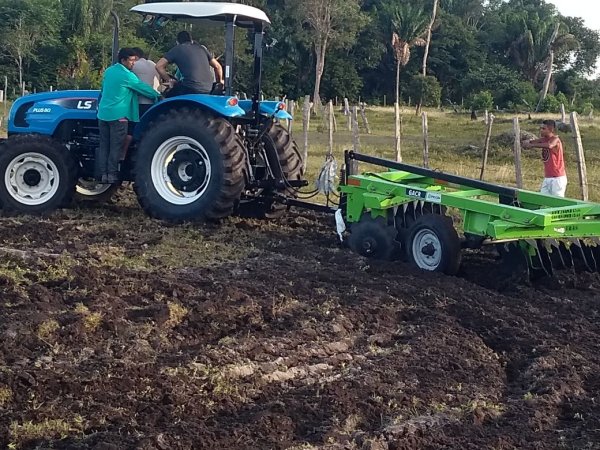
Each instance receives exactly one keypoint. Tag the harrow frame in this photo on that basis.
(532, 223)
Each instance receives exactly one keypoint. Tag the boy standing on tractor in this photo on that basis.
(555, 175)
(118, 106)
(194, 61)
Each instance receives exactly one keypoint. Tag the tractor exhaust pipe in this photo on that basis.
(115, 42)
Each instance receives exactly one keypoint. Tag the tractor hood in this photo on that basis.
(192, 12)
(40, 113)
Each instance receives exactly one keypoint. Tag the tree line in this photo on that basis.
(514, 54)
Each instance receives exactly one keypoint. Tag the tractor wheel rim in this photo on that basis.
(90, 188)
(32, 179)
(427, 250)
(181, 170)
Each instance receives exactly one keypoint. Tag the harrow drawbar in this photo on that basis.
(411, 212)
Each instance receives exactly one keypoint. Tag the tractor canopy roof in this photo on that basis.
(192, 12)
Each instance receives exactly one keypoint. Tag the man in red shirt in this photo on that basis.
(555, 175)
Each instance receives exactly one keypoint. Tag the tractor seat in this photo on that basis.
(217, 89)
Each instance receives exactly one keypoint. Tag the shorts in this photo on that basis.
(130, 127)
(556, 186)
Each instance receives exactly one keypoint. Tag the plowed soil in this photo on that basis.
(119, 332)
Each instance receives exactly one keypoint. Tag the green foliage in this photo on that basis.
(562, 98)
(550, 104)
(481, 100)
(425, 91)
(477, 45)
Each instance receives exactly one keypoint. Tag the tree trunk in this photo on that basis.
(549, 68)
(546, 87)
(398, 82)
(320, 66)
(428, 41)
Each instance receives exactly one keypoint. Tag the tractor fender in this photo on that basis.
(219, 105)
(267, 108)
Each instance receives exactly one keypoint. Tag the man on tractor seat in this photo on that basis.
(117, 107)
(194, 61)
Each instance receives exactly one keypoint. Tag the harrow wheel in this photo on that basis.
(432, 244)
(374, 238)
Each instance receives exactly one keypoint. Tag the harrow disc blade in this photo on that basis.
(581, 255)
(515, 267)
(560, 256)
(589, 256)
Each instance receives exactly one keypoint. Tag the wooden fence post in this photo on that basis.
(305, 126)
(563, 114)
(517, 152)
(331, 126)
(486, 146)
(579, 153)
(397, 133)
(347, 113)
(355, 137)
(425, 140)
(363, 115)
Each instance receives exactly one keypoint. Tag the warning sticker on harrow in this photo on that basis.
(432, 197)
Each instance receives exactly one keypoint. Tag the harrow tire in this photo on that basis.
(433, 244)
(189, 166)
(374, 238)
(289, 162)
(37, 174)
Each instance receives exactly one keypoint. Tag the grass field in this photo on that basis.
(456, 144)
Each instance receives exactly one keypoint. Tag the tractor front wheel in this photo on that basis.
(432, 244)
(37, 174)
(189, 166)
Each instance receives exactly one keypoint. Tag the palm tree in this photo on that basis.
(409, 24)
(87, 15)
(84, 16)
(535, 49)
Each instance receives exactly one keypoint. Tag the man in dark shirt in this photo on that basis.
(194, 62)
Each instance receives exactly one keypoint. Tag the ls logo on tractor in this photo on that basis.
(87, 104)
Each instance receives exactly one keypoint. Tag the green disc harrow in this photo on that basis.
(411, 212)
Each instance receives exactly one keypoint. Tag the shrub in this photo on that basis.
(425, 91)
(481, 100)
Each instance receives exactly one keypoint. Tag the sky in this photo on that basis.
(588, 9)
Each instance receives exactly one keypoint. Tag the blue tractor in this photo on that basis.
(194, 157)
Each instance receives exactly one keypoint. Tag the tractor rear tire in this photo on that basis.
(189, 165)
(37, 174)
(432, 244)
(289, 164)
